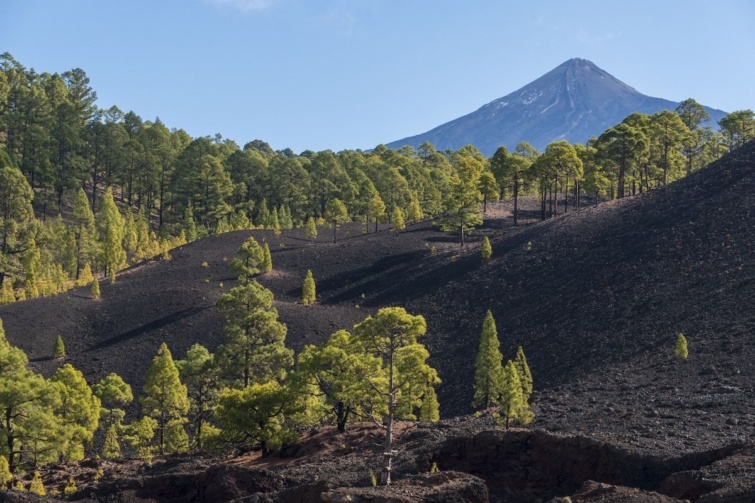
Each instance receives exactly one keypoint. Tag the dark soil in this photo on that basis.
(596, 298)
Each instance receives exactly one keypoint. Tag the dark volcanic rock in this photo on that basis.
(222, 482)
(541, 464)
(595, 492)
(446, 487)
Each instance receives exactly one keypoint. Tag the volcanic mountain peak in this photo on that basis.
(568, 79)
(574, 101)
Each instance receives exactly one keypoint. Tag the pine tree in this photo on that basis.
(681, 349)
(397, 217)
(376, 209)
(139, 435)
(263, 215)
(286, 220)
(146, 245)
(70, 487)
(17, 220)
(111, 449)
(335, 212)
(201, 376)
(415, 209)
(310, 230)
(255, 350)
(5, 475)
(391, 337)
(6, 293)
(525, 375)
(190, 225)
(462, 203)
(77, 411)
(130, 238)
(34, 279)
(24, 402)
(257, 415)
(429, 411)
(110, 227)
(165, 397)
(249, 260)
(113, 393)
(59, 351)
(85, 276)
(95, 290)
(513, 407)
(84, 233)
(488, 378)
(275, 221)
(36, 486)
(176, 439)
(337, 370)
(308, 295)
(267, 259)
(486, 250)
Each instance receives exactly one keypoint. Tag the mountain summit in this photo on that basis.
(574, 101)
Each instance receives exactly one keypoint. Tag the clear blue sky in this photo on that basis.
(343, 74)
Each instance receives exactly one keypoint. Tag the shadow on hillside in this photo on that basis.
(431, 276)
(148, 327)
(374, 277)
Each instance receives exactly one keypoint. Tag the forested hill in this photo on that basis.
(88, 190)
(575, 101)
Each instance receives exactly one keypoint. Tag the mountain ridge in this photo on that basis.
(574, 101)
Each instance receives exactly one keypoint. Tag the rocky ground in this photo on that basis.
(595, 297)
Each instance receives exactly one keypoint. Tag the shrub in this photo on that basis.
(486, 250)
(59, 351)
(95, 290)
(309, 294)
(70, 487)
(681, 349)
(36, 486)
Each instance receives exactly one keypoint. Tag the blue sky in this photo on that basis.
(343, 74)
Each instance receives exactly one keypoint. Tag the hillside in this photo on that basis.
(574, 101)
(596, 298)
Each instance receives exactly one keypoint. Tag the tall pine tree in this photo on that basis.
(110, 226)
(488, 376)
(255, 349)
(165, 397)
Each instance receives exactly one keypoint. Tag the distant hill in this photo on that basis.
(574, 101)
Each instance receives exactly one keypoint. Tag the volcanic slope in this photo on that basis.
(574, 101)
(595, 297)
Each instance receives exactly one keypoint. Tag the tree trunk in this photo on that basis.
(550, 201)
(162, 198)
(10, 439)
(385, 476)
(665, 164)
(516, 197)
(335, 225)
(542, 202)
(622, 167)
(342, 416)
(566, 195)
(162, 433)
